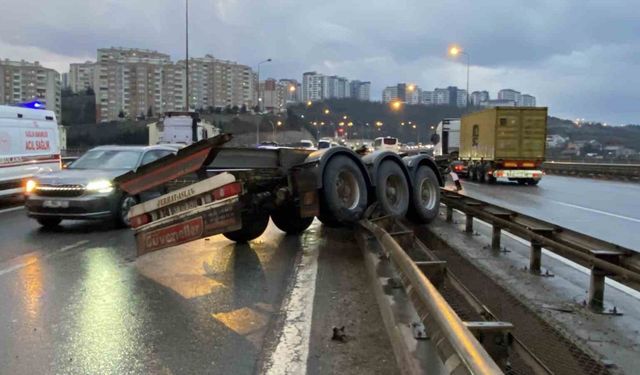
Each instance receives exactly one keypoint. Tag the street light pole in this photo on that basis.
(455, 51)
(187, 52)
(468, 63)
(259, 98)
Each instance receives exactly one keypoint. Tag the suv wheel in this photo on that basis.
(122, 212)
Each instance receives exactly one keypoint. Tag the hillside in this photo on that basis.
(628, 135)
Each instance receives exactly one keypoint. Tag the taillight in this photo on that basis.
(139, 220)
(528, 164)
(510, 164)
(228, 190)
(457, 168)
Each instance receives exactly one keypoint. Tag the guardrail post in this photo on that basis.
(469, 224)
(596, 285)
(535, 258)
(449, 214)
(596, 288)
(495, 238)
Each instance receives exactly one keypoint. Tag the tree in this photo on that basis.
(141, 116)
(121, 114)
(210, 109)
(66, 92)
(89, 91)
(243, 109)
(217, 110)
(228, 110)
(150, 112)
(256, 109)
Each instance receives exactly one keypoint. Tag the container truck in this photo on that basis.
(234, 191)
(504, 142)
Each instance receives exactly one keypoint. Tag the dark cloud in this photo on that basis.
(578, 57)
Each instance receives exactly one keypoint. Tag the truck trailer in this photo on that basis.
(507, 142)
(212, 189)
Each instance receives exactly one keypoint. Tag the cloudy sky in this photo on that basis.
(580, 58)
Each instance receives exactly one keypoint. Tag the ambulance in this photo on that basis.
(29, 144)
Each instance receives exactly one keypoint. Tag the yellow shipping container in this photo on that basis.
(504, 133)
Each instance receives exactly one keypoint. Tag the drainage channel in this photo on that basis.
(558, 353)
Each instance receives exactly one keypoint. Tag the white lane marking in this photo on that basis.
(597, 211)
(11, 209)
(292, 351)
(621, 287)
(33, 257)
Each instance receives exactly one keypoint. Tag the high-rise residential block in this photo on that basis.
(22, 81)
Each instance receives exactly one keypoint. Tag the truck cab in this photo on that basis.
(177, 128)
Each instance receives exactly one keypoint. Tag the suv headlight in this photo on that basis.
(100, 186)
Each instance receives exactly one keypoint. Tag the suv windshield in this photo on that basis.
(107, 159)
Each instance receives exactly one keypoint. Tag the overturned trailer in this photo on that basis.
(211, 189)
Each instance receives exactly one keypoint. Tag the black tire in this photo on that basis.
(521, 181)
(425, 196)
(344, 192)
(488, 177)
(473, 173)
(252, 227)
(122, 210)
(392, 189)
(482, 178)
(533, 182)
(287, 219)
(49, 222)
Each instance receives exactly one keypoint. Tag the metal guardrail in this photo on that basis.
(627, 171)
(605, 259)
(457, 347)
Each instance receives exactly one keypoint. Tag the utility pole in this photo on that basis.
(194, 121)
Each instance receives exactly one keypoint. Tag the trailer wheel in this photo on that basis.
(480, 171)
(489, 177)
(425, 197)
(252, 227)
(473, 173)
(344, 192)
(392, 189)
(532, 181)
(287, 219)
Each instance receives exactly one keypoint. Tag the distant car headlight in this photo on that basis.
(30, 186)
(100, 186)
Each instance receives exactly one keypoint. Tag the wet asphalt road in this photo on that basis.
(608, 210)
(77, 301)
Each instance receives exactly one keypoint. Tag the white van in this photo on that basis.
(29, 144)
(386, 143)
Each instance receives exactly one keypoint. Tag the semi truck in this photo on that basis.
(212, 189)
(500, 142)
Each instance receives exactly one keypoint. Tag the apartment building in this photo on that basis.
(317, 86)
(312, 86)
(360, 90)
(479, 97)
(135, 82)
(23, 81)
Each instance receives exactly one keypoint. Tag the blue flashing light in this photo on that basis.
(34, 105)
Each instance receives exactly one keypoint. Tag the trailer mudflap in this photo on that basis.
(304, 184)
(215, 218)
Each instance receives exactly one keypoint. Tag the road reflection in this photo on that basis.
(31, 280)
(102, 342)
